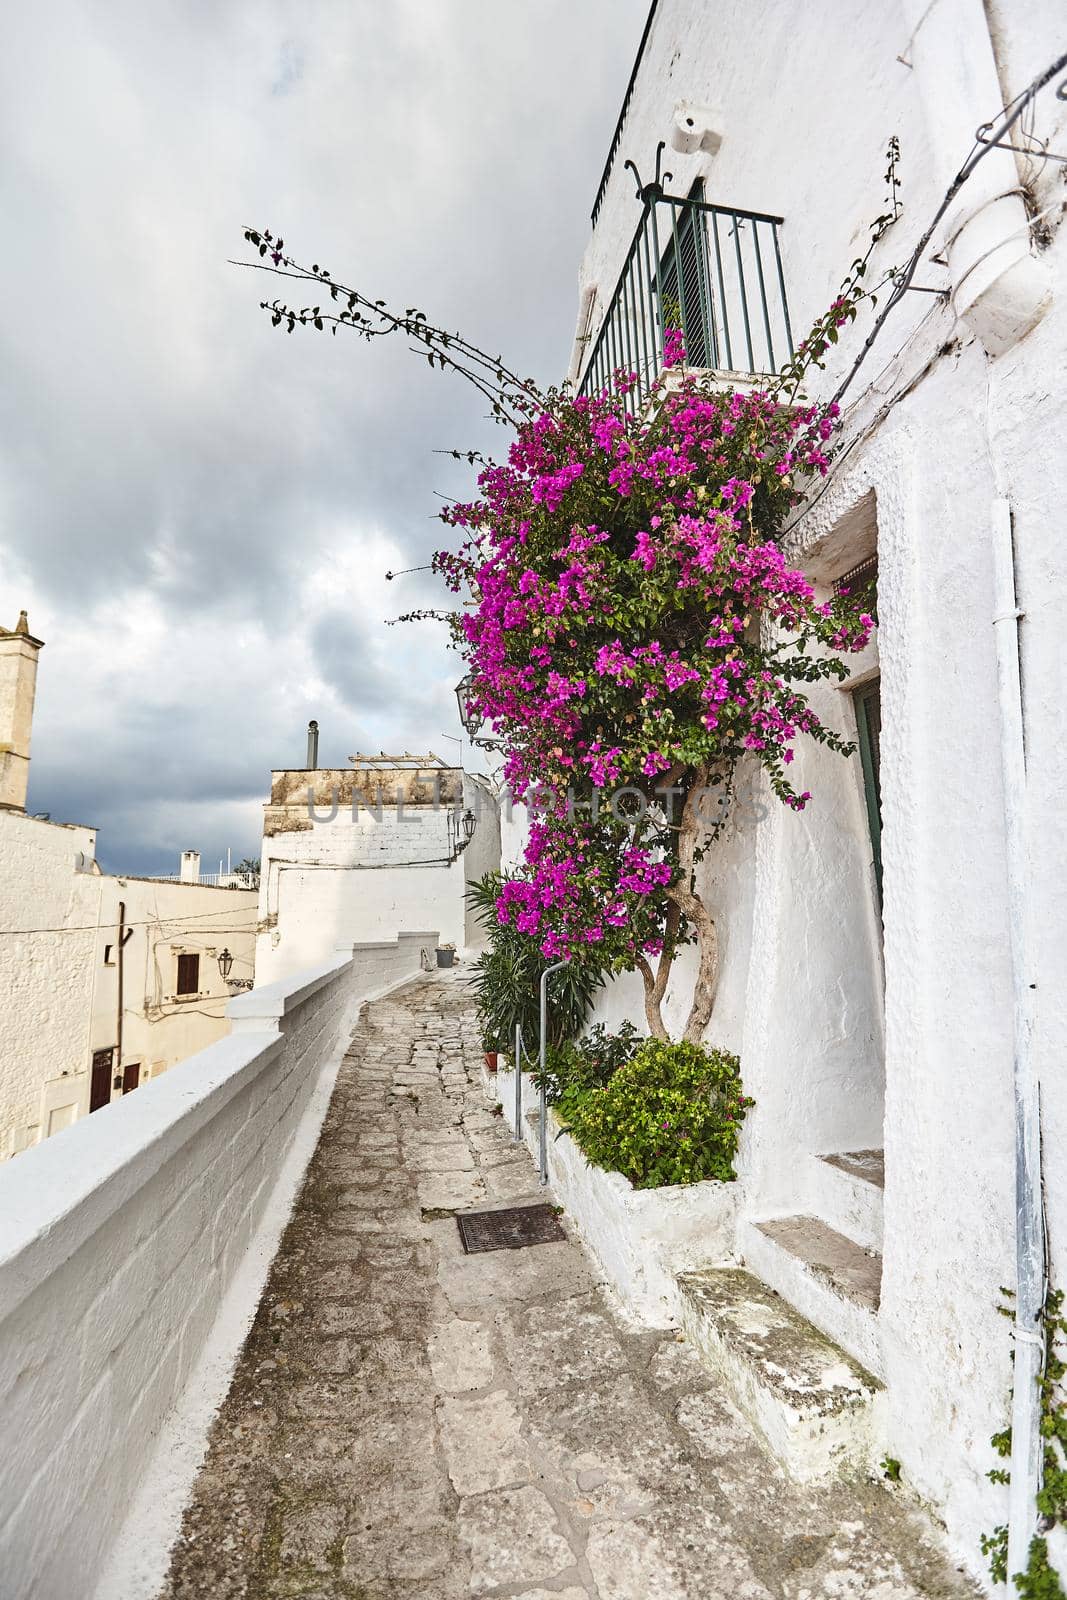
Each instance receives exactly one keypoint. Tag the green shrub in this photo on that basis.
(671, 1114)
(588, 1064)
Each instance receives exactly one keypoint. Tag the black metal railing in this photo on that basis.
(616, 138)
(711, 271)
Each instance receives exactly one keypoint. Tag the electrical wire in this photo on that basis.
(191, 944)
(979, 150)
(182, 1011)
(865, 433)
(1020, 105)
(94, 927)
(879, 417)
(1016, 233)
(912, 383)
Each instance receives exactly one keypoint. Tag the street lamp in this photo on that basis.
(225, 961)
(470, 721)
(461, 826)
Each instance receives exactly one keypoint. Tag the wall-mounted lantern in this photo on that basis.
(225, 961)
(470, 721)
(461, 826)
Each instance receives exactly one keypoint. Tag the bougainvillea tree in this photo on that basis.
(631, 627)
(633, 632)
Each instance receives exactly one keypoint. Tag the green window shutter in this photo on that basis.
(868, 703)
(684, 281)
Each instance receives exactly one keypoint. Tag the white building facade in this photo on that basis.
(867, 978)
(353, 854)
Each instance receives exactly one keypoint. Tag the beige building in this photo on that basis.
(105, 981)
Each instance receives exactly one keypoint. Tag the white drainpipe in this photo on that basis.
(1026, 1444)
(1000, 289)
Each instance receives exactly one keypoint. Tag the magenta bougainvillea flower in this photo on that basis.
(633, 631)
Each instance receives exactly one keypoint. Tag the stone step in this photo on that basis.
(846, 1191)
(830, 1279)
(820, 1414)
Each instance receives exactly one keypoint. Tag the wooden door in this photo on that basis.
(100, 1081)
(131, 1076)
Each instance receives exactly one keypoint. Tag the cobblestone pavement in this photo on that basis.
(406, 1420)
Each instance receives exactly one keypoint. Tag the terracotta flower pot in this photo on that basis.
(490, 1060)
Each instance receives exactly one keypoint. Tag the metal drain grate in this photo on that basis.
(512, 1229)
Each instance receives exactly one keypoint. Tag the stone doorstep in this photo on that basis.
(830, 1279)
(869, 1165)
(847, 1191)
(821, 1415)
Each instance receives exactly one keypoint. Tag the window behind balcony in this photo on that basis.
(684, 283)
(709, 269)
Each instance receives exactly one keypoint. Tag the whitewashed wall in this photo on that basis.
(483, 853)
(514, 830)
(805, 121)
(119, 1239)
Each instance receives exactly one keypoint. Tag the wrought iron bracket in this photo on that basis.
(460, 826)
(1040, 152)
(648, 192)
(921, 288)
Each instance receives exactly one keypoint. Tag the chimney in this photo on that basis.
(18, 682)
(313, 746)
(190, 869)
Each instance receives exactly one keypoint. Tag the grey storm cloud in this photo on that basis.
(198, 510)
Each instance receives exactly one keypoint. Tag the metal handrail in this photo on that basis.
(520, 1052)
(542, 1050)
(714, 271)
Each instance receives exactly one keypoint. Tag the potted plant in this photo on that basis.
(642, 1136)
(494, 1045)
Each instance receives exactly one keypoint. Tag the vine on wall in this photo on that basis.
(1040, 1581)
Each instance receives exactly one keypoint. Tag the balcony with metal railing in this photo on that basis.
(712, 271)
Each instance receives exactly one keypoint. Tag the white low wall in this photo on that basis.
(119, 1238)
(642, 1238)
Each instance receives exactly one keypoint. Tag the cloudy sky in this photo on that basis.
(198, 511)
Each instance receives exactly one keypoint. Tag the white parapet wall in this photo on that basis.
(123, 1236)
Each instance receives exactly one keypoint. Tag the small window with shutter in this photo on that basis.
(868, 703)
(188, 975)
(683, 283)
